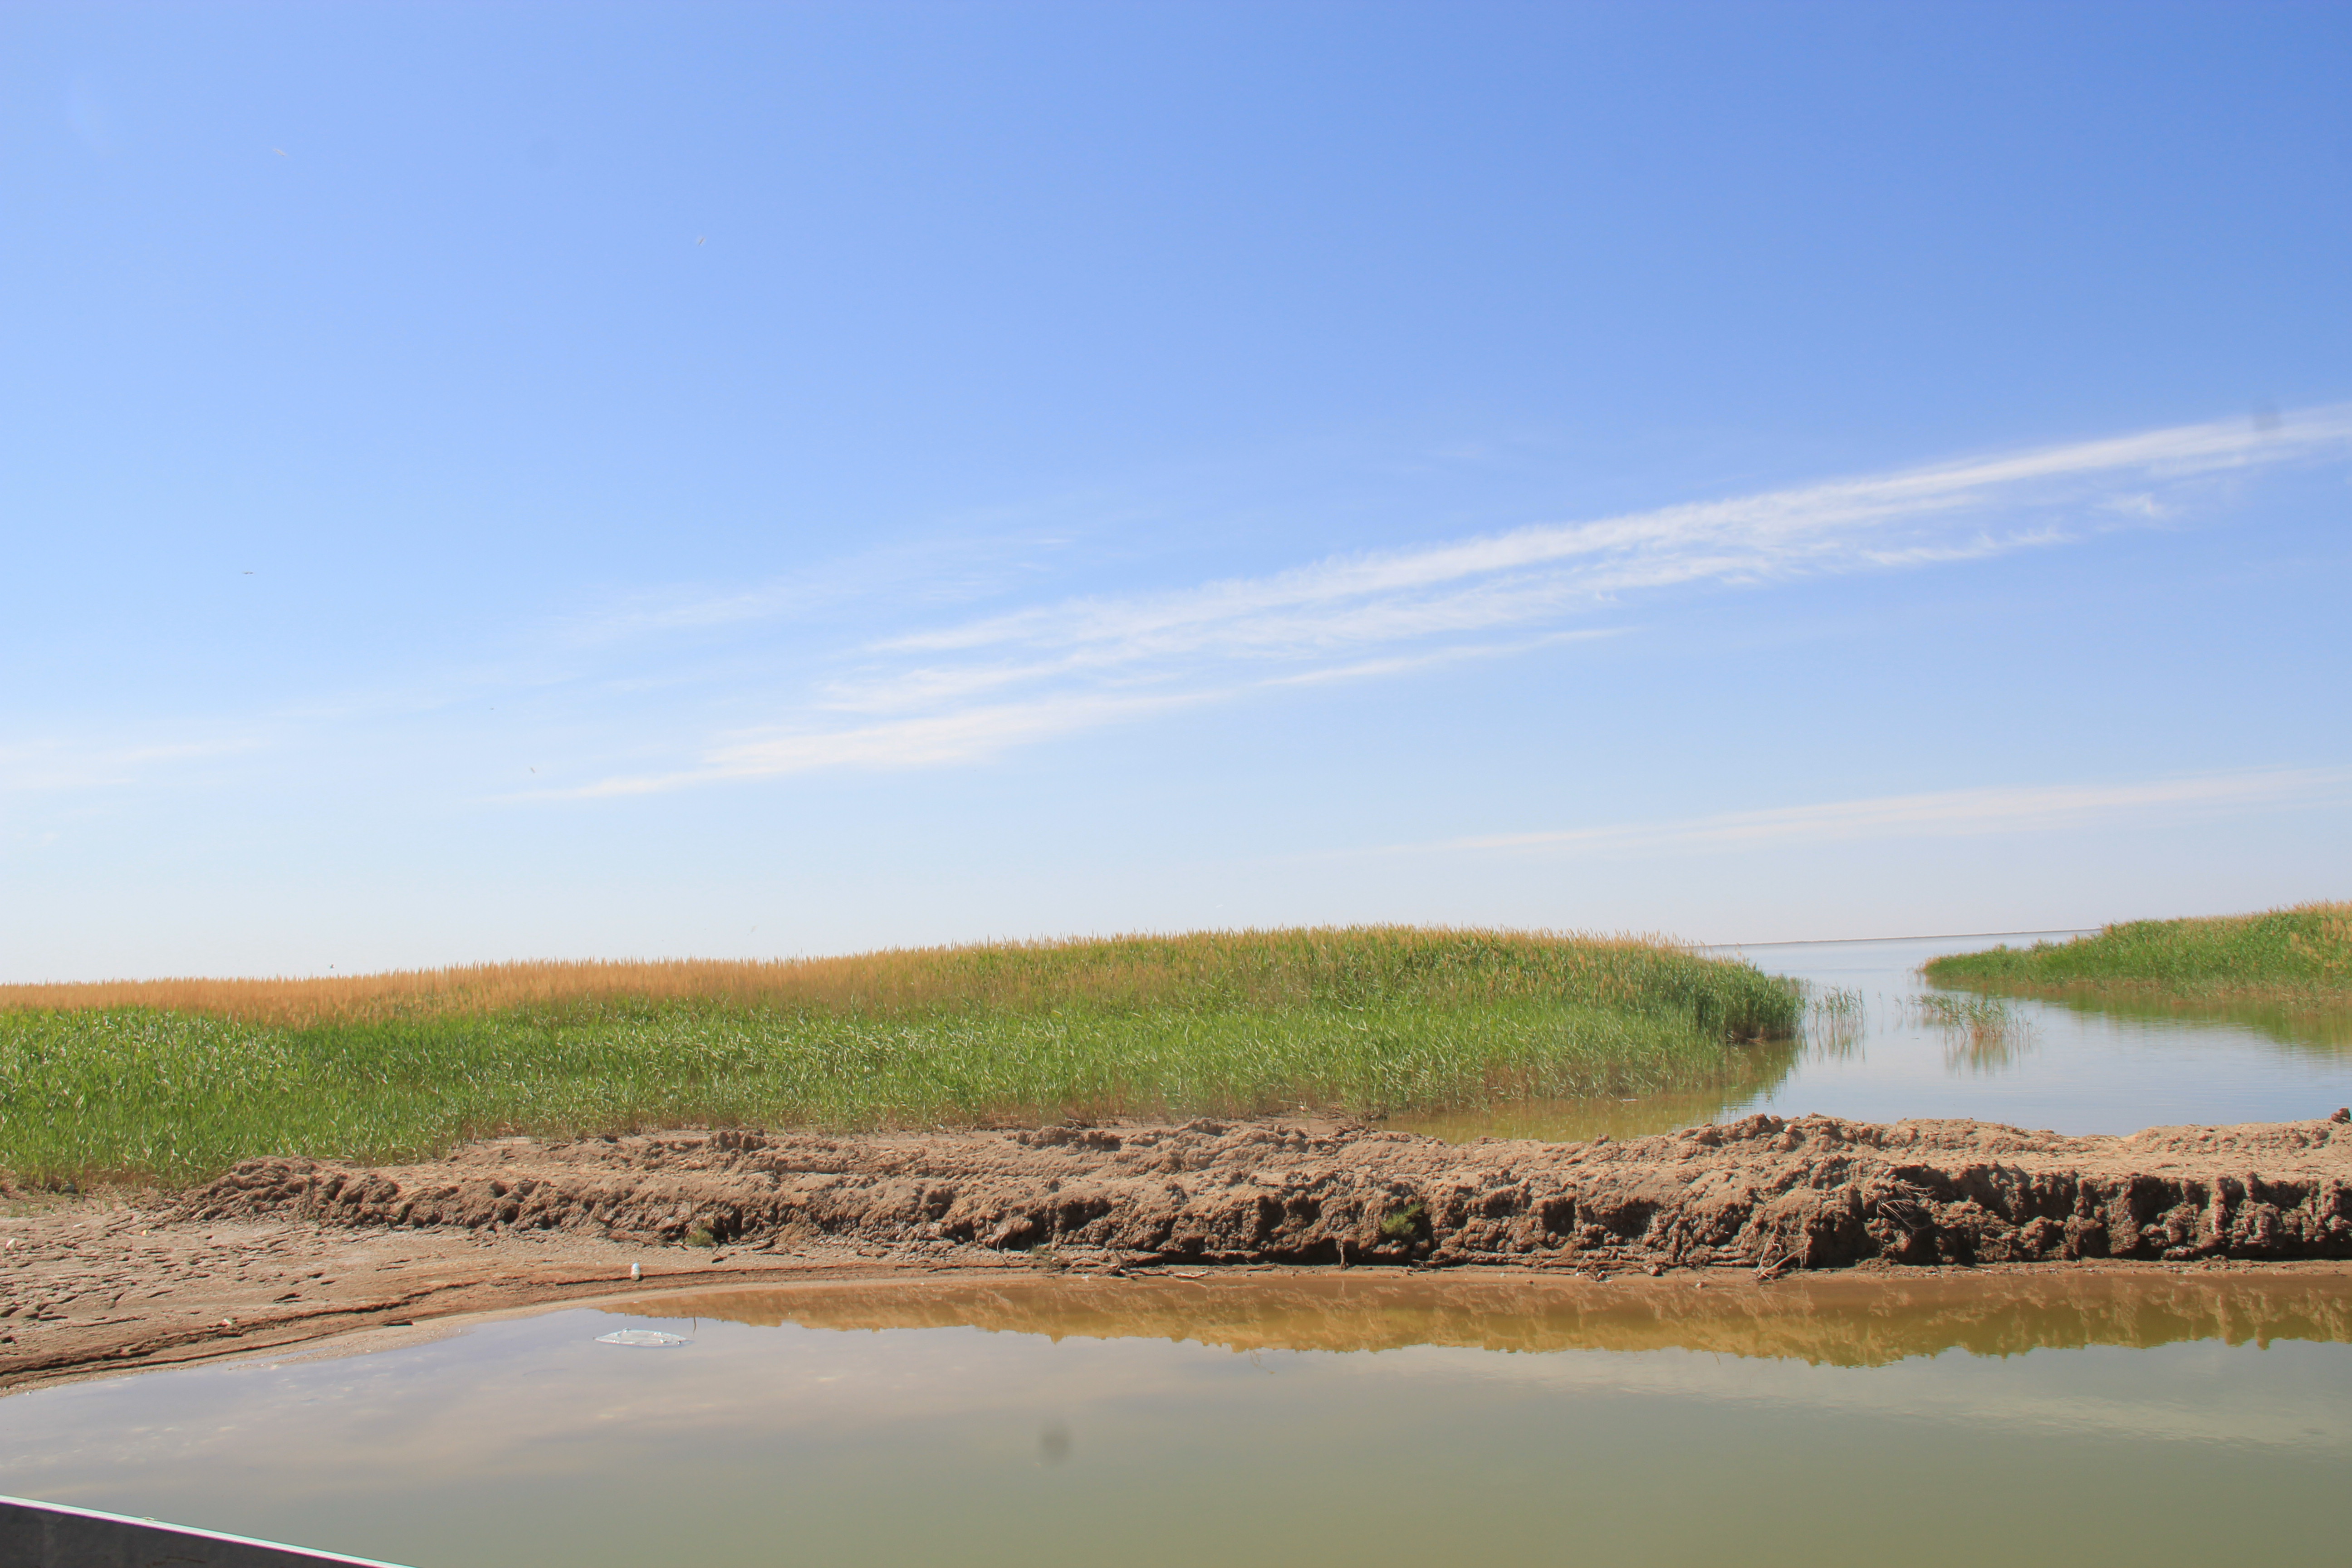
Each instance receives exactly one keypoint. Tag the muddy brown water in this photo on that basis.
(2153, 1418)
(2078, 1065)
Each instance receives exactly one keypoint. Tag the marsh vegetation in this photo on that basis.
(1981, 1034)
(2297, 958)
(175, 1080)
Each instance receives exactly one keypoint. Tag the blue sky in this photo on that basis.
(488, 481)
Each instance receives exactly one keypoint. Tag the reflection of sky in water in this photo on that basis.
(2067, 1067)
(523, 1441)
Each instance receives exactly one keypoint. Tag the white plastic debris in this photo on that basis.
(642, 1337)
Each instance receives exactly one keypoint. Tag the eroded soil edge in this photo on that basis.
(283, 1249)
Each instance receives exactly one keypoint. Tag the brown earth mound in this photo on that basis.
(280, 1251)
(1773, 1194)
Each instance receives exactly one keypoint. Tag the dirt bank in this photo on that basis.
(284, 1249)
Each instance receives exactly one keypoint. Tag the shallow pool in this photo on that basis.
(1273, 1419)
(2064, 1066)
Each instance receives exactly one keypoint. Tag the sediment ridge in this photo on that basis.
(282, 1250)
(1763, 1191)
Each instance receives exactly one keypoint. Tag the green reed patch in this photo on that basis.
(1392, 1025)
(2295, 955)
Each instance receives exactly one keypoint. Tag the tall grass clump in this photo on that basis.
(1982, 1034)
(174, 1080)
(1835, 1019)
(2301, 955)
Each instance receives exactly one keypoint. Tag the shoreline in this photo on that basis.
(286, 1252)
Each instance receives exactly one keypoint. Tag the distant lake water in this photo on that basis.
(2063, 1067)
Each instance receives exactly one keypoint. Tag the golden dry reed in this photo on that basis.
(1254, 967)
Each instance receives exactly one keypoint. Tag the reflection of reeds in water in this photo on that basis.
(1981, 1033)
(2323, 1033)
(1833, 1024)
(1823, 1318)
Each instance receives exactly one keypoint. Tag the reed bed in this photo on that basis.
(1835, 1021)
(1199, 970)
(2299, 957)
(1983, 1034)
(172, 1081)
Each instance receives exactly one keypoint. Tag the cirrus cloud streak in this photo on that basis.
(965, 692)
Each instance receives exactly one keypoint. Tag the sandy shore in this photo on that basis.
(281, 1251)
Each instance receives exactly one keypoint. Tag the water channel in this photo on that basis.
(2061, 1066)
(1340, 1420)
(2159, 1418)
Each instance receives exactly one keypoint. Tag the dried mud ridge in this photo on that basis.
(1764, 1192)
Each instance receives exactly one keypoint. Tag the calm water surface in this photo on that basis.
(1352, 1419)
(2066, 1067)
(1341, 1419)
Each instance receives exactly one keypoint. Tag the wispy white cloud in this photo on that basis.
(939, 573)
(1366, 669)
(1942, 814)
(960, 735)
(69, 764)
(976, 733)
(963, 691)
(1969, 508)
